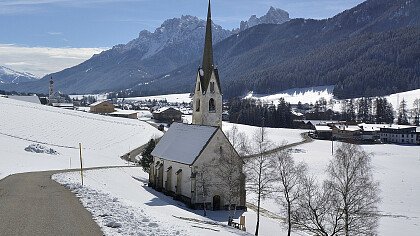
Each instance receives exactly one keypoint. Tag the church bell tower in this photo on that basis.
(207, 99)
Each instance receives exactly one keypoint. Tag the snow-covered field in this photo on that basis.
(396, 167)
(294, 96)
(313, 94)
(104, 139)
(277, 136)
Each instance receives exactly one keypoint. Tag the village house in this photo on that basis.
(400, 134)
(190, 159)
(102, 107)
(168, 115)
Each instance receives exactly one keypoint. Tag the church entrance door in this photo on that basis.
(216, 203)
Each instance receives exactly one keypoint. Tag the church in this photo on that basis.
(196, 163)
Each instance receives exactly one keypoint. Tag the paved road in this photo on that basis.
(33, 204)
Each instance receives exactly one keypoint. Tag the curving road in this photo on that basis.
(33, 204)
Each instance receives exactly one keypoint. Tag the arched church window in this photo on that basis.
(212, 106)
(197, 105)
(212, 87)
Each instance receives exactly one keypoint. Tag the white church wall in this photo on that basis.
(211, 152)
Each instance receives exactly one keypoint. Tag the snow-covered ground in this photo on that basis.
(277, 136)
(396, 167)
(294, 96)
(313, 94)
(104, 139)
(140, 210)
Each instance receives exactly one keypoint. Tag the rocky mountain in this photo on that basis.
(372, 49)
(9, 76)
(273, 16)
(175, 43)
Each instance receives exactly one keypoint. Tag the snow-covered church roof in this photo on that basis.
(183, 143)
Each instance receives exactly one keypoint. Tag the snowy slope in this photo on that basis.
(312, 94)
(104, 139)
(9, 76)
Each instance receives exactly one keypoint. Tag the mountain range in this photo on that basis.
(369, 50)
(175, 43)
(9, 76)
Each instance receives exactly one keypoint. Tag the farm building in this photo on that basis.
(102, 107)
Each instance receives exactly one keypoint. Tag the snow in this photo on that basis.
(395, 167)
(183, 143)
(294, 96)
(313, 94)
(33, 99)
(278, 136)
(129, 207)
(104, 139)
(171, 98)
(38, 148)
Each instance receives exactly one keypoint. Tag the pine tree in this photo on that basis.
(147, 158)
(403, 113)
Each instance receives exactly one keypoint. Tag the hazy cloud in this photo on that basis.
(43, 60)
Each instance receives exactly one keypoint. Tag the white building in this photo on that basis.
(400, 134)
(189, 160)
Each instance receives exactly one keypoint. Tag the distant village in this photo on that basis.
(161, 113)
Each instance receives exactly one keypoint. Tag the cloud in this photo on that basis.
(43, 60)
(55, 33)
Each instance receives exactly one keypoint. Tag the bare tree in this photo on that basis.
(203, 181)
(347, 202)
(416, 111)
(357, 194)
(238, 140)
(228, 171)
(288, 176)
(258, 170)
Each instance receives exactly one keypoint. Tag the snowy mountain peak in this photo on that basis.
(273, 16)
(9, 76)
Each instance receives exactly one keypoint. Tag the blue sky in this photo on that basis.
(104, 23)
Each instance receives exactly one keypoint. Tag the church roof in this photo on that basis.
(208, 63)
(183, 143)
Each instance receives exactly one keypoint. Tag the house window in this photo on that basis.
(212, 87)
(197, 105)
(212, 106)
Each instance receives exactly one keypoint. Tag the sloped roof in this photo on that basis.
(31, 99)
(99, 102)
(183, 143)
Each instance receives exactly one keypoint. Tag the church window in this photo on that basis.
(198, 87)
(197, 105)
(212, 87)
(212, 106)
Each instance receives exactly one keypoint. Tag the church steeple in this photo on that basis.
(208, 65)
(207, 100)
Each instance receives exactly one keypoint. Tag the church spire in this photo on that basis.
(208, 65)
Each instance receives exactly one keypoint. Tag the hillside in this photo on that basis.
(104, 139)
(372, 49)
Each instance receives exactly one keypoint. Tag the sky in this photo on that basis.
(60, 25)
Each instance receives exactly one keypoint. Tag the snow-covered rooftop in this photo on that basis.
(97, 103)
(183, 143)
(322, 128)
(32, 99)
